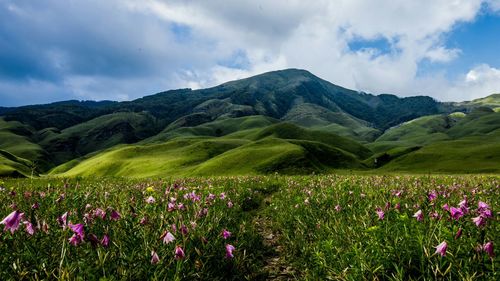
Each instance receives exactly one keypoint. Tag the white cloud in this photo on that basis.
(316, 36)
(494, 5)
(135, 39)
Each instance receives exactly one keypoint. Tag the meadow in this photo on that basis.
(326, 227)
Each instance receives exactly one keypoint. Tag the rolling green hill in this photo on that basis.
(282, 147)
(287, 121)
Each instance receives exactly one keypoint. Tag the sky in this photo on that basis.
(56, 50)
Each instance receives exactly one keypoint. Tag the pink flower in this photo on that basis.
(338, 208)
(63, 220)
(441, 248)
(456, 213)
(446, 207)
(387, 206)
(179, 253)
(75, 240)
(486, 213)
(115, 215)
(184, 229)
(150, 200)
(432, 195)
(12, 221)
(144, 221)
(488, 248)
(435, 215)
(105, 241)
(171, 206)
(77, 229)
(479, 221)
(226, 234)
(229, 251)
(419, 215)
(398, 206)
(482, 206)
(100, 213)
(154, 258)
(29, 227)
(230, 204)
(168, 238)
(380, 213)
(459, 233)
(35, 206)
(222, 196)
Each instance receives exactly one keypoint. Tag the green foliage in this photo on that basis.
(292, 106)
(303, 227)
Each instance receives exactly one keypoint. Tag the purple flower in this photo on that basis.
(154, 258)
(226, 234)
(35, 206)
(179, 253)
(387, 206)
(150, 200)
(63, 220)
(486, 213)
(419, 215)
(482, 206)
(229, 251)
(100, 213)
(12, 221)
(459, 233)
(105, 241)
(456, 213)
(441, 248)
(29, 227)
(464, 206)
(168, 238)
(115, 215)
(75, 240)
(230, 204)
(479, 221)
(171, 206)
(184, 229)
(488, 248)
(446, 207)
(92, 238)
(338, 208)
(380, 213)
(432, 195)
(77, 229)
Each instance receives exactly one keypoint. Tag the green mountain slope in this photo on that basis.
(96, 134)
(282, 147)
(287, 121)
(479, 154)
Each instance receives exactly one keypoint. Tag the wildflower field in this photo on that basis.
(329, 227)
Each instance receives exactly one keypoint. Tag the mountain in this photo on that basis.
(287, 121)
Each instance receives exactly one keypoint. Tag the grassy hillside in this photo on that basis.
(282, 147)
(18, 150)
(480, 154)
(218, 128)
(288, 121)
(96, 134)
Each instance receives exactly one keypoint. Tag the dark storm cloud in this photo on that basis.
(59, 42)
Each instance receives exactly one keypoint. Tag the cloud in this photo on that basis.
(124, 49)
